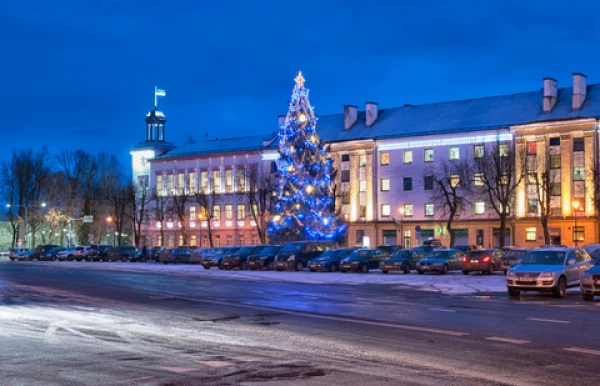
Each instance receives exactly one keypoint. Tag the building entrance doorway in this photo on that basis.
(554, 236)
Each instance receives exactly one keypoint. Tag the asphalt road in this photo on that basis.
(62, 326)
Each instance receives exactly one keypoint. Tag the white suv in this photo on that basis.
(548, 270)
(81, 253)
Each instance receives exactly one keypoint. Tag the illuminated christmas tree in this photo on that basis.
(304, 206)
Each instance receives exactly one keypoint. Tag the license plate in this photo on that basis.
(474, 261)
(225, 263)
(425, 268)
(527, 279)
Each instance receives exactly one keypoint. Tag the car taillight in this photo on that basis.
(464, 259)
(486, 259)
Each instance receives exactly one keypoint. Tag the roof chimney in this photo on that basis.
(281, 119)
(350, 116)
(371, 113)
(549, 94)
(579, 90)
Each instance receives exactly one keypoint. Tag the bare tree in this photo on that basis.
(119, 200)
(141, 203)
(495, 168)
(259, 195)
(206, 201)
(452, 188)
(159, 211)
(543, 182)
(178, 205)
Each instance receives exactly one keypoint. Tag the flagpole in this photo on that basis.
(155, 99)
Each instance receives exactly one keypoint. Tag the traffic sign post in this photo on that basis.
(88, 219)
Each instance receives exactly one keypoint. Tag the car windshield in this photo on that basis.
(545, 257)
(403, 253)
(292, 248)
(270, 249)
(478, 253)
(244, 250)
(219, 251)
(514, 254)
(438, 255)
(360, 253)
(331, 252)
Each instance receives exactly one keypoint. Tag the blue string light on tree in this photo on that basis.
(304, 179)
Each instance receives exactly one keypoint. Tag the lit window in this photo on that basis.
(170, 188)
(408, 210)
(532, 206)
(193, 183)
(192, 213)
(217, 181)
(228, 212)
(241, 212)
(228, 180)
(193, 241)
(181, 183)
(478, 151)
(578, 233)
(531, 148)
(204, 181)
(454, 180)
(362, 160)
(503, 150)
(479, 207)
(428, 155)
(362, 186)
(578, 174)
(478, 179)
(241, 180)
(384, 159)
(407, 157)
(407, 183)
(429, 210)
(385, 185)
(428, 182)
(454, 153)
(385, 210)
(159, 185)
(216, 214)
(530, 234)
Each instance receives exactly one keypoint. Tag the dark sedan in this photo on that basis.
(329, 260)
(214, 258)
(512, 257)
(485, 261)
(362, 260)
(590, 282)
(441, 260)
(239, 258)
(175, 256)
(264, 259)
(403, 260)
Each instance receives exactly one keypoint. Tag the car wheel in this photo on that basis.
(465, 272)
(420, 272)
(504, 272)
(299, 266)
(243, 266)
(53, 258)
(221, 266)
(332, 267)
(165, 262)
(407, 269)
(343, 271)
(588, 297)
(384, 271)
(143, 260)
(445, 269)
(513, 293)
(364, 268)
(271, 266)
(176, 261)
(560, 291)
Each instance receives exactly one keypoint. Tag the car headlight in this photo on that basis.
(511, 274)
(291, 258)
(548, 274)
(586, 279)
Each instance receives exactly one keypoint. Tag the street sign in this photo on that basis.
(88, 218)
(418, 228)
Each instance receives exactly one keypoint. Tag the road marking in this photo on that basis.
(507, 340)
(179, 370)
(582, 350)
(549, 320)
(441, 310)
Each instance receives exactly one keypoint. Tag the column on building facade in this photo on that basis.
(370, 189)
(186, 181)
(222, 177)
(566, 152)
(234, 177)
(589, 173)
(521, 199)
(354, 188)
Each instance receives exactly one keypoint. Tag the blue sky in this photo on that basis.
(80, 74)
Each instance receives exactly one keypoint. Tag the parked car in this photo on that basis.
(41, 250)
(67, 254)
(197, 255)
(330, 259)
(421, 251)
(155, 253)
(15, 252)
(433, 243)
(175, 256)
(27, 255)
(240, 257)
(81, 253)
(120, 253)
(264, 259)
(404, 260)
(139, 256)
(548, 270)
(389, 248)
(97, 252)
(465, 248)
(590, 281)
(52, 254)
(484, 261)
(441, 260)
(214, 258)
(512, 257)
(295, 256)
(362, 260)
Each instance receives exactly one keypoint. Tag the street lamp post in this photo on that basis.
(109, 221)
(42, 205)
(575, 208)
(401, 211)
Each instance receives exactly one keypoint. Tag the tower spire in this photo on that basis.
(299, 79)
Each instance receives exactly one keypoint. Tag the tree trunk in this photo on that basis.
(451, 231)
(501, 230)
(544, 221)
(210, 238)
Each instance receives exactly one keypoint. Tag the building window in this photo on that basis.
(454, 153)
(385, 184)
(531, 148)
(345, 157)
(360, 235)
(217, 181)
(407, 157)
(504, 178)
(429, 210)
(362, 211)
(428, 182)
(204, 181)
(555, 162)
(407, 183)
(578, 144)
(530, 234)
(192, 183)
(385, 210)
(555, 189)
(241, 212)
(345, 175)
(384, 159)
(532, 206)
(478, 179)
(479, 207)
(428, 155)
(241, 180)
(578, 173)
(216, 214)
(228, 181)
(193, 241)
(171, 241)
(170, 188)
(362, 186)
(408, 210)
(578, 233)
(503, 150)
(181, 184)
(362, 160)
(159, 186)
(228, 212)
(555, 141)
(193, 213)
(454, 180)
(406, 239)
(478, 151)
(159, 242)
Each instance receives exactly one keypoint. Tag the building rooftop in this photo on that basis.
(225, 145)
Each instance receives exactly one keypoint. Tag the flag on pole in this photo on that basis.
(158, 92)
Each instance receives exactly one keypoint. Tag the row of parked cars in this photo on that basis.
(77, 253)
